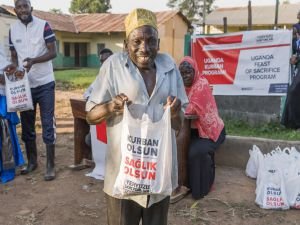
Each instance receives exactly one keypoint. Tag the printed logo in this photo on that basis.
(264, 38)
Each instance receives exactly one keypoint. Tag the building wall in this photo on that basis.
(5, 22)
(172, 35)
(114, 41)
(254, 110)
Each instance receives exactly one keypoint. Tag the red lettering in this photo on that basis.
(151, 175)
(139, 174)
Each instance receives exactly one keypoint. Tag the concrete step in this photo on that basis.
(234, 152)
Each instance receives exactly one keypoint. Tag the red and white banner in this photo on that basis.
(245, 63)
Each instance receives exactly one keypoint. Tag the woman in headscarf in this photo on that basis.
(207, 132)
(10, 151)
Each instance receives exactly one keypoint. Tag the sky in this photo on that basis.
(125, 6)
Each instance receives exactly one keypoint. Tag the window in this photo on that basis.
(67, 48)
(57, 45)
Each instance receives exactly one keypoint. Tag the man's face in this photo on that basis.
(23, 10)
(142, 46)
(298, 16)
(104, 57)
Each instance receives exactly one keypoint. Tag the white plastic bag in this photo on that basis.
(292, 179)
(270, 185)
(146, 161)
(293, 186)
(255, 160)
(99, 149)
(18, 94)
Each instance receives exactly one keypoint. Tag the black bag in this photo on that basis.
(6, 147)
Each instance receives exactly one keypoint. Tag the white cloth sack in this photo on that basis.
(18, 94)
(146, 156)
(99, 149)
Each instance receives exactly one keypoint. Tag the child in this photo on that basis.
(10, 151)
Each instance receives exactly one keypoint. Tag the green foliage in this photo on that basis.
(192, 9)
(271, 130)
(89, 6)
(56, 11)
(75, 79)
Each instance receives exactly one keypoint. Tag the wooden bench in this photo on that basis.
(82, 152)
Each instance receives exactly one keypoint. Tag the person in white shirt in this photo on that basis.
(33, 46)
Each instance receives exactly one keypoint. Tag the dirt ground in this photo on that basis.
(74, 199)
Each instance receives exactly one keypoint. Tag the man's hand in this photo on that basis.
(293, 59)
(106, 110)
(10, 69)
(175, 105)
(175, 108)
(117, 104)
(28, 63)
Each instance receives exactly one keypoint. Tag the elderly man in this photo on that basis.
(149, 81)
(33, 46)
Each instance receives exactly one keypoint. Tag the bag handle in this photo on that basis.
(287, 150)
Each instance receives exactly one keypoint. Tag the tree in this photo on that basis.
(56, 11)
(192, 9)
(89, 6)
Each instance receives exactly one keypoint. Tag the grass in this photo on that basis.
(272, 130)
(76, 78)
(82, 78)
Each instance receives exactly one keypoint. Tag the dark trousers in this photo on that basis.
(128, 212)
(44, 96)
(201, 164)
(291, 113)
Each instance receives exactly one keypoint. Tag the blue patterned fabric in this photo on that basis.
(13, 120)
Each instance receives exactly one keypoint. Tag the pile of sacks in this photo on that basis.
(277, 177)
